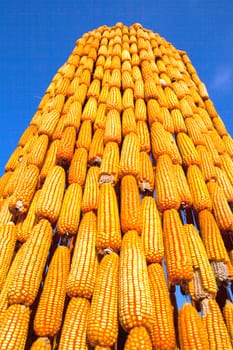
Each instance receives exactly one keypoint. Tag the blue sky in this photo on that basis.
(36, 38)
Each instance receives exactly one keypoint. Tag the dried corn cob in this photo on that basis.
(228, 314)
(135, 303)
(91, 190)
(15, 159)
(177, 255)
(130, 214)
(194, 131)
(109, 168)
(143, 136)
(199, 191)
(14, 327)
(138, 338)
(97, 147)
(50, 200)
(228, 142)
(127, 99)
(112, 131)
(84, 265)
(191, 332)
(154, 112)
(167, 196)
(178, 121)
(7, 246)
(102, 326)
(217, 159)
(206, 164)
(85, 135)
(5, 178)
(140, 110)
(78, 167)
(73, 335)
(162, 332)
(108, 221)
(114, 99)
(48, 124)
(182, 186)
(227, 164)
(66, 146)
(41, 343)
(48, 318)
(27, 134)
(130, 156)
(68, 220)
(146, 174)
(187, 149)
(224, 183)
(24, 191)
(90, 109)
(160, 141)
(73, 115)
(50, 160)
(38, 151)
(128, 122)
(23, 288)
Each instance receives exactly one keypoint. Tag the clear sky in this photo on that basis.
(36, 38)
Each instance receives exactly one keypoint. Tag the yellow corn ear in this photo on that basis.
(97, 148)
(143, 136)
(127, 99)
(187, 149)
(24, 191)
(198, 188)
(48, 124)
(68, 220)
(5, 214)
(73, 335)
(128, 122)
(146, 179)
(228, 318)
(130, 156)
(178, 121)
(7, 246)
(160, 141)
(81, 93)
(23, 288)
(73, 115)
(50, 200)
(14, 327)
(85, 135)
(208, 169)
(102, 326)
(177, 255)
(152, 234)
(167, 196)
(139, 89)
(162, 332)
(50, 160)
(94, 88)
(217, 159)
(194, 131)
(84, 265)
(130, 213)
(27, 134)
(212, 320)
(38, 151)
(15, 159)
(78, 167)
(225, 184)
(108, 221)
(114, 100)
(101, 116)
(91, 190)
(127, 80)
(48, 317)
(154, 112)
(138, 338)
(112, 131)
(66, 146)
(228, 142)
(41, 343)
(190, 328)
(135, 303)
(4, 180)
(90, 109)
(227, 165)
(182, 186)
(217, 141)
(140, 110)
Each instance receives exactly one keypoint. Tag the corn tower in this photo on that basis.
(116, 201)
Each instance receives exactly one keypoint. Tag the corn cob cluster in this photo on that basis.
(117, 197)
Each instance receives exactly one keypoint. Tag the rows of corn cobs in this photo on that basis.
(116, 202)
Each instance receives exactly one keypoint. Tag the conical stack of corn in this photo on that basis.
(126, 163)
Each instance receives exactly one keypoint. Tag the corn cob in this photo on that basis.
(152, 235)
(206, 164)
(14, 327)
(200, 262)
(114, 100)
(228, 314)
(143, 136)
(127, 80)
(27, 134)
(167, 196)
(7, 246)
(115, 79)
(139, 89)
(15, 159)
(78, 167)
(167, 120)
(112, 131)
(217, 141)
(108, 221)
(5, 178)
(135, 303)
(128, 99)
(90, 109)
(177, 255)
(191, 332)
(48, 318)
(101, 116)
(109, 168)
(48, 124)
(160, 141)
(91, 190)
(182, 186)
(57, 134)
(73, 115)
(15, 179)
(138, 338)
(228, 142)
(162, 332)
(28, 274)
(227, 165)
(102, 326)
(130, 214)
(219, 126)
(73, 335)
(130, 156)
(150, 89)
(24, 191)
(172, 100)
(104, 94)
(84, 265)
(128, 122)
(50, 160)
(146, 174)
(85, 135)
(154, 112)
(185, 107)
(62, 86)
(41, 343)
(221, 209)
(194, 132)
(178, 121)
(199, 191)
(214, 325)
(66, 146)
(224, 183)
(140, 110)
(212, 149)
(97, 147)
(50, 200)
(38, 151)
(68, 220)
(187, 149)
(210, 108)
